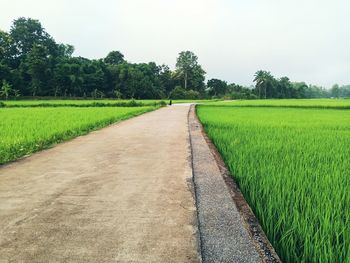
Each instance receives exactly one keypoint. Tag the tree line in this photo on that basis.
(269, 87)
(33, 64)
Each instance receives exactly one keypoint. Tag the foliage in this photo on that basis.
(181, 93)
(340, 91)
(114, 57)
(38, 65)
(23, 131)
(292, 166)
(192, 95)
(27, 33)
(264, 83)
(188, 69)
(167, 79)
(268, 87)
(35, 65)
(216, 87)
(242, 95)
(5, 90)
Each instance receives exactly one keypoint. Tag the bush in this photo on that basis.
(252, 96)
(2, 105)
(133, 103)
(192, 95)
(243, 96)
(179, 93)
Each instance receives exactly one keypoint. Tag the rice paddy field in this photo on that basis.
(291, 103)
(26, 130)
(293, 167)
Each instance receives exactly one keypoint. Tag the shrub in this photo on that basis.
(192, 95)
(180, 93)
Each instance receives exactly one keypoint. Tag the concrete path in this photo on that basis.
(120, 194)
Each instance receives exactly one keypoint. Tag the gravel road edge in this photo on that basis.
(229, 230)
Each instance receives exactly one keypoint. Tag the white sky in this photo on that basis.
(306, 40)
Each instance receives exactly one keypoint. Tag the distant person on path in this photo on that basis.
(170, 102)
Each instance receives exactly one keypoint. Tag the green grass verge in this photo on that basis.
(293, 168)
(194, 101)
(81, 103)
(26, 130)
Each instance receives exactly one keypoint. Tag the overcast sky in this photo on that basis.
(306, 40)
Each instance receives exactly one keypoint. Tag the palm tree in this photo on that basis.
(259, 78)
(263, 79)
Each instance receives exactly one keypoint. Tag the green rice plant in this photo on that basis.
(293, 167)
(26, 130)
(290, 103)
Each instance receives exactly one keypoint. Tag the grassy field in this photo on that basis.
(291, 103)
(293, 167)
(81, 103)
(26, 130)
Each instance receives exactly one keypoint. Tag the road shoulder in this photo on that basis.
(228, 228)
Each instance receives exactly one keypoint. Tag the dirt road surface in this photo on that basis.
(120, 194)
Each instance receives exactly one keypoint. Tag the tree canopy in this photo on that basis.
(32, 63)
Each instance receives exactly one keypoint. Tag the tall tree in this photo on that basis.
(259, 81)
(166, 79)
(37, 62)
(6, 48)
(299, 89)
(27, 32)
(284, 88)
(335, 91)
(189, 70)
